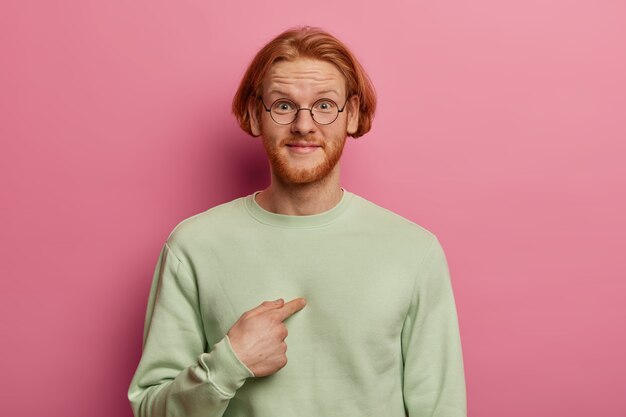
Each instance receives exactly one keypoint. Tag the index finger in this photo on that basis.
(290, 308)
(266, 305)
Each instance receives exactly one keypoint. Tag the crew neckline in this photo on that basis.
(293, 221)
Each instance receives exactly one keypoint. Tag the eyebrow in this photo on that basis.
(318, 93)
(329, 91)
(279, 92)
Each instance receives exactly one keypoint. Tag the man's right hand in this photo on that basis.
(258, 337)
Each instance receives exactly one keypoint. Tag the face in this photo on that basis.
(304, 152)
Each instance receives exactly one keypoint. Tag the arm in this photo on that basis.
(434, 380)
(176, 376)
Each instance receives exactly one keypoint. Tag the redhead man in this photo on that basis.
(361, 296)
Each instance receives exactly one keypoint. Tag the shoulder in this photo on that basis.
(389, 223)
(210, 222)
(397, 236)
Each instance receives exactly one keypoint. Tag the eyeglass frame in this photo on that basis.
(295, 117)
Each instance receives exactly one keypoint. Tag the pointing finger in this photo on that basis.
(266, 305)
(291, 308)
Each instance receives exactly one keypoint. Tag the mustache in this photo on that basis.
(295, 139)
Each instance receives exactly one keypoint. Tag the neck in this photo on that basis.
(301, 199)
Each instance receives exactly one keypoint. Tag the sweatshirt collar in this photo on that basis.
(294, 222)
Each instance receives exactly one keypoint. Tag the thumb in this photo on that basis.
(269, 305)
(291, 308)
(273, 304)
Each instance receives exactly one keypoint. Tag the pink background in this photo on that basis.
(501, 128)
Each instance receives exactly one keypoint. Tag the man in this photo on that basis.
(363, 293)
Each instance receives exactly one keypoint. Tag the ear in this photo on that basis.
(353, 114)
(255, 122)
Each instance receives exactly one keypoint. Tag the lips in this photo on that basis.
(302, 147)
(303, 144)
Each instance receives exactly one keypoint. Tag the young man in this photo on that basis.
(363, 293)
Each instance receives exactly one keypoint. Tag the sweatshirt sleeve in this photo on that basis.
(177, 375)
(434, 380)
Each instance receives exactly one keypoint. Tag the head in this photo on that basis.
(304, 65)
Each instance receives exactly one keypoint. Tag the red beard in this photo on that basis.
(282, 169)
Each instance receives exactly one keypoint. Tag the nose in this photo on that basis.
(304, 123)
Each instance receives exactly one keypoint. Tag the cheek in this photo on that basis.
(271, 138)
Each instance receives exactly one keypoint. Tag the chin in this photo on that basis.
(302, 176)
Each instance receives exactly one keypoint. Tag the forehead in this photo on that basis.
(303, 76)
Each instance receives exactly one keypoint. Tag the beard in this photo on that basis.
(286, 173)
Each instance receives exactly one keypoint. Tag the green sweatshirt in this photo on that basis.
(378, 337)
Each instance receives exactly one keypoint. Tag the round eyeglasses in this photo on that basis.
(284, 111)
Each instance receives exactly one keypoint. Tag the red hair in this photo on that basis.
(306, 42)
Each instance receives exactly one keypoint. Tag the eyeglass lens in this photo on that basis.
(323, 111)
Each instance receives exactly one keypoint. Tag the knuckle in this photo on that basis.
(280, 332)
(282, 362)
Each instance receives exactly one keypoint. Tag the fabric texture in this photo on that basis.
(378, 337)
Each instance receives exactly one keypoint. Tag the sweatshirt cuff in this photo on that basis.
(225, 370)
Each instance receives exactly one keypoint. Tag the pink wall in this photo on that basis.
(501, 128)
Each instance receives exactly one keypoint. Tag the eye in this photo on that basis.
(325, 105)
(283, 106)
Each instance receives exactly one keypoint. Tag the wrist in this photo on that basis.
(224, 368)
